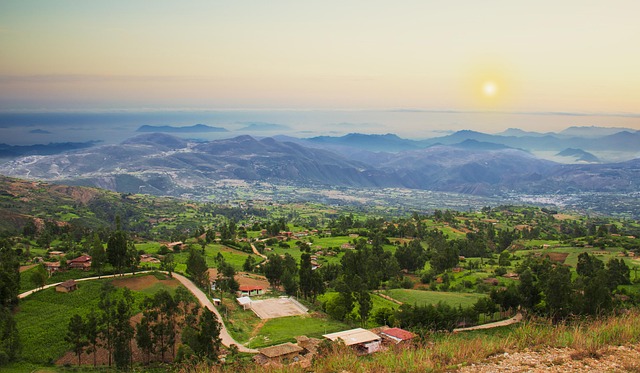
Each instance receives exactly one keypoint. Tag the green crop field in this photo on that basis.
(285, 329)
(423, 297)
(43, 318)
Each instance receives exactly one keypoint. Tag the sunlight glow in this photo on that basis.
(489, 89)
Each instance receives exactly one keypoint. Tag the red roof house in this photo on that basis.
(249, 290)
(397, 335)
(82, 262)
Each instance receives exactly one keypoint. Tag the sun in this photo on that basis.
(489, 88)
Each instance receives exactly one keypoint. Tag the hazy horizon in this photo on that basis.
(26, 128)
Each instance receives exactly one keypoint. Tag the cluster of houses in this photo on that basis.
(82, 262)
(363, 341)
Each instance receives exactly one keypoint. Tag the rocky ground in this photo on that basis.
(612, 359)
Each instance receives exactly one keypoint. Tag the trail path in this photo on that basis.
(226, 338)
(517, 318)
(255, 251)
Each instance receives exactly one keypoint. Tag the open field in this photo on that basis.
(285, 329)
(424, 297)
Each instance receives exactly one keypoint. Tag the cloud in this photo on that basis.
(79, 78)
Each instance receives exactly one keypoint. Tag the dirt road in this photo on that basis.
(513, 320)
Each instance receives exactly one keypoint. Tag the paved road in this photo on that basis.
(513, 320)
(226, 338)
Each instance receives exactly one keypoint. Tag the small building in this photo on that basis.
(245, 302)
(56, 253)
(285, 352)
(362, 340)
(82, 262)
(216, 301)
(397, 335)
(52, 267)
(249, 290)
(67, 286)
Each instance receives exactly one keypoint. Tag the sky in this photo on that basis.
(577, 56)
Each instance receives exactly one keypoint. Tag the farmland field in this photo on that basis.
(285, 329)
(43, 317)
(424, 297)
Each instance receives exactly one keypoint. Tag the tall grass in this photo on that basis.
(588, 337)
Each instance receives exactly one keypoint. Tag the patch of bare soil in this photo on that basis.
(611, 359)
(244, 278)
(250, 279)
(26, 268)
(557, 257)
(143, 282)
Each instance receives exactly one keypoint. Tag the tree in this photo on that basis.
(39, 276)
(558, 292)
(123, 331)
(98, 255)
(9, 288)
(618, 273)
(107, 305)
(117, 248)
(9, 277)
(340, 306)
(204, 339)
(273, 270)
(249, 263)
(92, 334)
(365, 304)
(9, 337)
(306, 275)
(144, 337)
(588, 265)
(528, 289)
(197, 268)
(226, 280)
(76, 336)
(167, 264)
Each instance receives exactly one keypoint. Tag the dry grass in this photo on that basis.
(588, 338)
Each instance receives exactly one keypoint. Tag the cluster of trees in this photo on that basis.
(165, 317)
(438, 317)
(360, 271)
(108, 328)
(547, 288)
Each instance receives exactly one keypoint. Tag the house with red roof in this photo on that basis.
(249, 290)
(397, 335)
(82, 262)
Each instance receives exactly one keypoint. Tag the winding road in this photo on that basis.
(225, 337)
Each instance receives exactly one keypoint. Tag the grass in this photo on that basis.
(423, 297)
(285, 329)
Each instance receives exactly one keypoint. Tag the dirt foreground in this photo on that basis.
(611, 359)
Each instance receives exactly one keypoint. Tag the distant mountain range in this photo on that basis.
(196, 128)
(464, 162)
(12, 151)
(595, 139)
